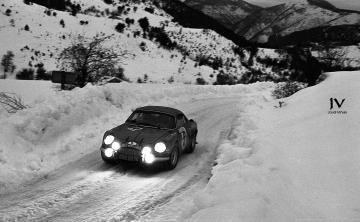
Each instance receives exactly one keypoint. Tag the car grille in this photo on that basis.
(129, 153)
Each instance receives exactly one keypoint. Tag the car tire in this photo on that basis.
(192, 145)
(107, 160)
(173, 160)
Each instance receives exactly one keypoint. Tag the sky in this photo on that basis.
(343, 4)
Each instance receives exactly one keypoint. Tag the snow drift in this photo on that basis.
(296, 163)
(63, 126)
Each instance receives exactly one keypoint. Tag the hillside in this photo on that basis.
(263, 25)
(227, 12)
(166, 52)
(190, 55)
(291, 17)
(37, 35)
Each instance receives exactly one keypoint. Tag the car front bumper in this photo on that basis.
(130, 154)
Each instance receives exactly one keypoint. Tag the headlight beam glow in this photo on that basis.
(147, 155)
(116, 146)
(160, 147)
(109, 152)
(109, 139)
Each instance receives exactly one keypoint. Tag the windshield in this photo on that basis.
(154, 119)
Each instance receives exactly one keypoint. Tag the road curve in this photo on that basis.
(89, 190)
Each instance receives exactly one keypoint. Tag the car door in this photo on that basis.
(183, 130)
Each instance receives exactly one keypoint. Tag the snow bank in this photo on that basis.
(63, 126)
(296, 163)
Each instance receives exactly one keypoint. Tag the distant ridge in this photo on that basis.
(327, 5)
(192, 18)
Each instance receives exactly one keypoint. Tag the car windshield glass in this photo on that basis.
(155, 119)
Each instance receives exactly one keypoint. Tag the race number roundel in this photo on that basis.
(183, 135)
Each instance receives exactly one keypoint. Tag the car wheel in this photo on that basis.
(107, 160)
(192, 146)
(173, 160)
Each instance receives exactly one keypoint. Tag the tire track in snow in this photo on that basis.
(119, 193)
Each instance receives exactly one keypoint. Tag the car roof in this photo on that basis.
(161, 109)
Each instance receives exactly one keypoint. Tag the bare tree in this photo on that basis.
(91, 58)
(333, 57)
(7, 63)
(11, 102)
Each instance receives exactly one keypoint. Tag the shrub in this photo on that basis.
(82, 22)
(119, 73)
(146, 77)
(41, 72)
(225, 79)
(306, 68)
(74, 9)
(120, 27)
(171, 79)
(214, 63)
(11, 102)
(200, 81)
(25, 74)
(62, 23)
(120, 9)
(26, 28)
(287, 89)
(8, 12)
(144, 23)
(7, 62)
(150, 10)
(108, 1)
(12, 22)
(129, 21)
(255, 75)
(143, 46)
(48, 12)
(161, 37)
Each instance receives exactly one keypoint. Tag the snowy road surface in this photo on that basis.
(89, 190)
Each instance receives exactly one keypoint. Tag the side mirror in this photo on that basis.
(191, 120)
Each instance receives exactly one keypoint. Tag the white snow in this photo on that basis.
(295, 163)
(60, 127)
(46, 39)
(29, 91)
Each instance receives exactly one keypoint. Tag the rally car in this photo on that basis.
(151, 134)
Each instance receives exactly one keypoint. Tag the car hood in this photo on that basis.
(139, 134)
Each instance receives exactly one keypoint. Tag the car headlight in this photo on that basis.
(109, 139)
(150, 158)
(146, 150)
(160, 147)
(147, 155)
(115, 145)
(109, 152)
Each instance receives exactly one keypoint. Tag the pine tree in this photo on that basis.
(7, 63)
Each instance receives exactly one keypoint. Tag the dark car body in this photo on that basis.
(151, 127)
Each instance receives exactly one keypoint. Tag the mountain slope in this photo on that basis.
(258, 24)
(287, 18)
(227, 12)
(37, 35)
(190, 17)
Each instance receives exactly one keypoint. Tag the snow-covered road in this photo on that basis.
(254, 162)
(89, 190)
